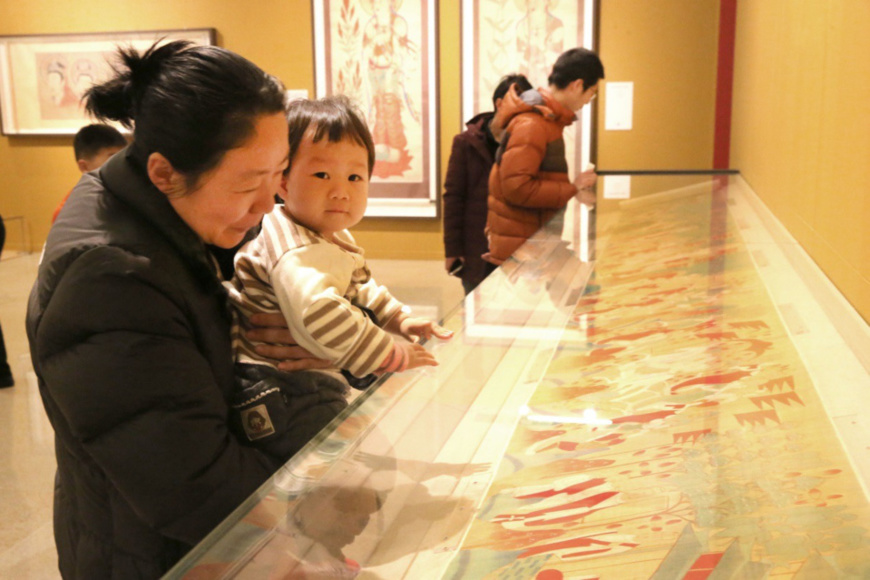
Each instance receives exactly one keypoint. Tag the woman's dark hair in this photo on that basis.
(577, 63)
(189, 103)
(505, 83)
(335, 118)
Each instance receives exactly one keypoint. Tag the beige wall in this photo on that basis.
(666, 47)
(801, 127)
(38, 171)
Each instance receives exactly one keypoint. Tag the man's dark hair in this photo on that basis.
(334, 118)
(91, 139)
(505, 83)
(577, 63)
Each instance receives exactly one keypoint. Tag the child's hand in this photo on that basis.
(417, 356)
(416, 328)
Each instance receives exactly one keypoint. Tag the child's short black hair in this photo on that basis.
(335, 118)
(92, 138)
(505, 83)
(577, 63)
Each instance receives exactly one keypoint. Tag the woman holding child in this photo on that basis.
(128, 322)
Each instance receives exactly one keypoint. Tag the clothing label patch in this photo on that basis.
(257, 422)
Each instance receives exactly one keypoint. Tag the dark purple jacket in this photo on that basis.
(465, 195)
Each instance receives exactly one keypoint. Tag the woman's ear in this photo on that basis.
(164, 176)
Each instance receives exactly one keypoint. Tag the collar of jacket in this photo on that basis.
(539, 101)
(483, 141)
(554, 110)
(125, 178)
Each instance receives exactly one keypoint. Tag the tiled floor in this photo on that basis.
(26, 438)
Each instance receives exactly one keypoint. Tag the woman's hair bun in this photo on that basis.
(118, 98)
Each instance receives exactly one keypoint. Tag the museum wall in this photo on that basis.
(800, 127)
(666, 47)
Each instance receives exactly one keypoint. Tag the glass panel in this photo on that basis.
(677, 411)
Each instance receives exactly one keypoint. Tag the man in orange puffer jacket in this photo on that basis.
(529, 182)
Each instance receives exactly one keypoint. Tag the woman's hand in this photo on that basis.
(280, 345)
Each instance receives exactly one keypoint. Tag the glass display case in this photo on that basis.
(668, 390)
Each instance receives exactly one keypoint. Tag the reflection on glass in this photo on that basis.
(648, 419)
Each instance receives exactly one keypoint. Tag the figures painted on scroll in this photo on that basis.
(389, 53)
(539, 39)
(64, 78)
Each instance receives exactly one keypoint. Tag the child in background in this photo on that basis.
(306, 265)
(93, 145)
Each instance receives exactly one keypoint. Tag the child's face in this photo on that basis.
(328, 185)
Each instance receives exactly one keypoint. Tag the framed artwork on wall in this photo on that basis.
(43, 77)
(383, 55)
(501, 37)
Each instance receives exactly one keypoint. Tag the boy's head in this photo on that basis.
(576, 73)
(332, 156)
(505, 83)
(94, 144)
(333, 118)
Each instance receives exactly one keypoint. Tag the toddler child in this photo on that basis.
(306, 265)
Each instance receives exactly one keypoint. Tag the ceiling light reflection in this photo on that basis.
(589, 417)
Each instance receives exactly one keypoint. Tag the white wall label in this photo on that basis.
(619, 98)
(617, 186)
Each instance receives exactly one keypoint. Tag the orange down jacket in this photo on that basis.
(529, 182)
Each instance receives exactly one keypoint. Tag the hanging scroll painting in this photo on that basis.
(382, 54)
(501, 37)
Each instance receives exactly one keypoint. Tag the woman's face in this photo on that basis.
(232, 198)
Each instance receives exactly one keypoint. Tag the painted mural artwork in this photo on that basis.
(711, 455)
(540, 38)
(376, 59)
(523, 36)
(64, 78)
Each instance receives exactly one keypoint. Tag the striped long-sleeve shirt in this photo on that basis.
(316, 284)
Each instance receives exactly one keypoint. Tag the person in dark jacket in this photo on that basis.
(529, 182)
(128, 322)
(6, 378)
(466, 189)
